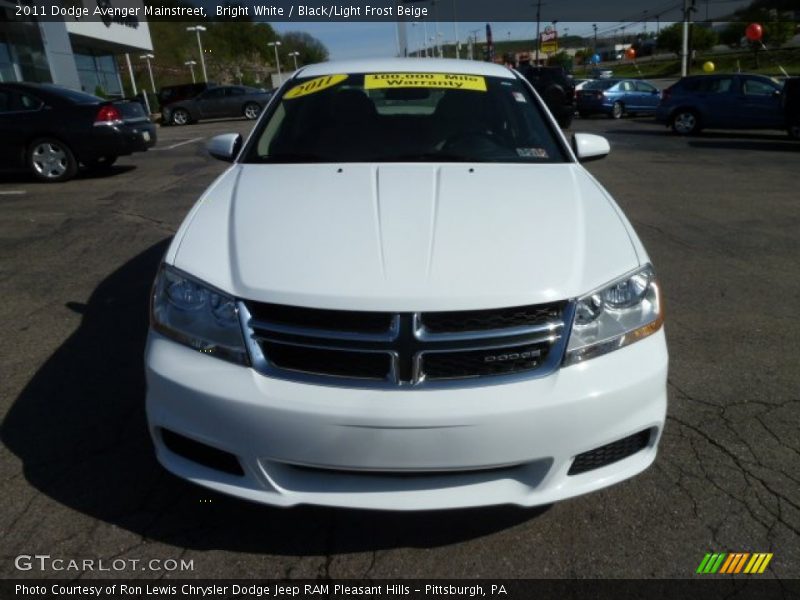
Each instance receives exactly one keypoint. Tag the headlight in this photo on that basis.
(197, 315)
(619, 314)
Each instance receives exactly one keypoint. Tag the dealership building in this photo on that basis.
(80, 55)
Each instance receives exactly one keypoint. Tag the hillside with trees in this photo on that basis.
(234, 52)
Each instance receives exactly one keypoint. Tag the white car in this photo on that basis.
(406, 293)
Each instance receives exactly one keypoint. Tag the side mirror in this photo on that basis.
(588, 146)
(225, 147)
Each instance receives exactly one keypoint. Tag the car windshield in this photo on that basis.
(600, 84)
(406, 117)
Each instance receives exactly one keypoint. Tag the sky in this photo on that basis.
(375, 40)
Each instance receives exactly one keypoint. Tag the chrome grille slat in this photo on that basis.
(390, 334)
(462, 358)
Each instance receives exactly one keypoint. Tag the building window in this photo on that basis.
(98, 73)
(22, 56)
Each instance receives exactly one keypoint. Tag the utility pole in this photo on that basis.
(538, 18)
(687, 13)
(455, 30)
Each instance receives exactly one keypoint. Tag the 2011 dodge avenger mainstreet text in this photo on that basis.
(406, 293)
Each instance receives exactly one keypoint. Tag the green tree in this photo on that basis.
(561, 59)
(776, 31)
(310, 48)
(700, 39)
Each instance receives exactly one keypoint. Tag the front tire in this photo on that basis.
(180, 116)
(685, 122)
(51, 160)
(617, 110)
(251, 111)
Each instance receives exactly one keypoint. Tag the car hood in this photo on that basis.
(406, 237)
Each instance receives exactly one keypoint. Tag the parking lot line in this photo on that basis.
(12, 192)
(191, 141)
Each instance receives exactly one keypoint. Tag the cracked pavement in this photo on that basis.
(719, 215)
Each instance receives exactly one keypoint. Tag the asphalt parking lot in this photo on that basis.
(720, 216)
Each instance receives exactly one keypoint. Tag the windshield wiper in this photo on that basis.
(291, 158)
(432, 157)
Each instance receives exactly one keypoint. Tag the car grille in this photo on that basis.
(397, 350)
(610, 453)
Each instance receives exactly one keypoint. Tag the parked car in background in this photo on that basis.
(174, 93)
(217, 102)
(556, 89)
(51, 130)
(791, 106)
(617, 98)
(735, 101)
(598, 73)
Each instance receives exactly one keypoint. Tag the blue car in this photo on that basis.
(739, 101)
(617, 97)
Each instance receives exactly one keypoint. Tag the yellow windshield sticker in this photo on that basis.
(382, 81)
(314, 85)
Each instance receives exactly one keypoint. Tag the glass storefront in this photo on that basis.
(98, 72)
(22, 56)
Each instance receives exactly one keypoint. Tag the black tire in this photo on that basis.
(617, 110)
(180, 116)
(685, 122)
(251, 110)
(564, 121)
(584, 114)
(51, 160)
(794, 131)
(101, 164)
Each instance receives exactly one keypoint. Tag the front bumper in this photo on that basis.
(406, 449)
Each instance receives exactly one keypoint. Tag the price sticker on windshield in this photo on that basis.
(455, 81)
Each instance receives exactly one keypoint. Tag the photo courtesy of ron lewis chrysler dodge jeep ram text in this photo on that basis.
(406, 293)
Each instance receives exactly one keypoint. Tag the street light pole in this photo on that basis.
(277, 60)
(191, 64)
(148, 58)
(294, 55)
(197, 29)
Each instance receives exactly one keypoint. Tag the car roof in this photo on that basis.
(412, 65)
(50, 91)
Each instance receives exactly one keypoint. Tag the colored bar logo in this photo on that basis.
(732, 563)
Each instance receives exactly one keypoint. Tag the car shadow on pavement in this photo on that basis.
(79, 429)
(769, 145)
(82, 175)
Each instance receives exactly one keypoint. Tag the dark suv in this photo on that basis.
(174, 93)
(556, 89)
